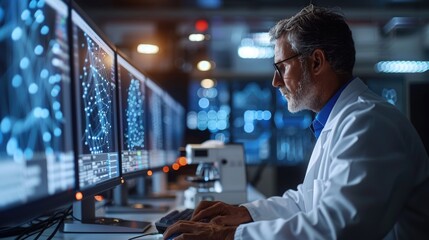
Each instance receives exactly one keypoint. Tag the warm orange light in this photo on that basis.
(98, 198)
(166, 169)
(122, 180)
(182, 161)
(79, 196)
(175, 166)
(149, 172)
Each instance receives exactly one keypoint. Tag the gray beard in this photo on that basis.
(301, 99)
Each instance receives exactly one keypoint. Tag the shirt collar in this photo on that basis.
(321, 118)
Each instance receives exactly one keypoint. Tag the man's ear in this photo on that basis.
(319, 61)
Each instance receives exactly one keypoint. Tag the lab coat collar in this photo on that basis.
(355, 88)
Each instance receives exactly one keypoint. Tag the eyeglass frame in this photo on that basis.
(277, 69)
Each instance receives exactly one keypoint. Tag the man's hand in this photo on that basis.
(189, 230)
(221, 213)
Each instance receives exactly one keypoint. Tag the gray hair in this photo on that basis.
(319, 28)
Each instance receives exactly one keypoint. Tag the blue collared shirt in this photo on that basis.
(321, 118)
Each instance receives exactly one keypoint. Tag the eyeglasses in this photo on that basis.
(277, 68)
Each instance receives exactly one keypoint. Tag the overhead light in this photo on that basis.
(196, 37)
(402, 66)
(207, 83)
(148, 48)
(204, 65)
(256, 46)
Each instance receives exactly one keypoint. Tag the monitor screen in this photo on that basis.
(294, 139)
(251, 111)
(392, 89)
(131, 82)
(36, 136)
(94, 73)
(171, 122)
(155, 126)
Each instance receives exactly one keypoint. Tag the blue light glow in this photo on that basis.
(38, 50)
(23, 64)
(16, 81)
(402, 66)
(44, 30)
(16, 34)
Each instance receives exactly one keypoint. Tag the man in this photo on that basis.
(367, 177)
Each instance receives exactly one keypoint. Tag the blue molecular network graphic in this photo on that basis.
(34, 74)
(134, 114)
(97, 91)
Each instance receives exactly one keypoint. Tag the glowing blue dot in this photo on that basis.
(47, 137)
(211, 125)
(38, 50)
(33, 88)
(37, 14)
(40, 18)
(249, 127)
(51, 80)
(55, 91)
(28, 153)
(44, 30)
(44, 73)
(203, 103)
(11, 146)
(266, 115)
(25, 15)
(24, 63)
(41, 3)
(59, 115)
(57, 132)
(56, 105)
(37, 112)
(5, 125)
(16, 34)
(57, 77)
(221, 125)
(32, 4)
(16, 81)
(45, 113)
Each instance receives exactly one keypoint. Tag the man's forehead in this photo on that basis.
(282, 46)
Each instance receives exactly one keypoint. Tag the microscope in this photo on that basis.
(220, 174)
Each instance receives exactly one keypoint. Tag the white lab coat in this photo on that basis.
(366, 179)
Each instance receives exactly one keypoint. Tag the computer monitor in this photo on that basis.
(132, 135)
(294, 139)
(251, 111)
(156, 144)
(171, 120)
(132, 98)
(36, 128)
(97, 126)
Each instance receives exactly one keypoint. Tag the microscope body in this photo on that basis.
(221, 174)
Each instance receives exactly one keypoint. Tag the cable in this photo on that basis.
(37, 226)
(65, 214)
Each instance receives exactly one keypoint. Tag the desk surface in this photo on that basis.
(173, 203)
(138, 216)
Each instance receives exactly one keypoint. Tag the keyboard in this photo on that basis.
(172, 217)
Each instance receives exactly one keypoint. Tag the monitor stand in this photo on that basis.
(121, 205)
(84, 221)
